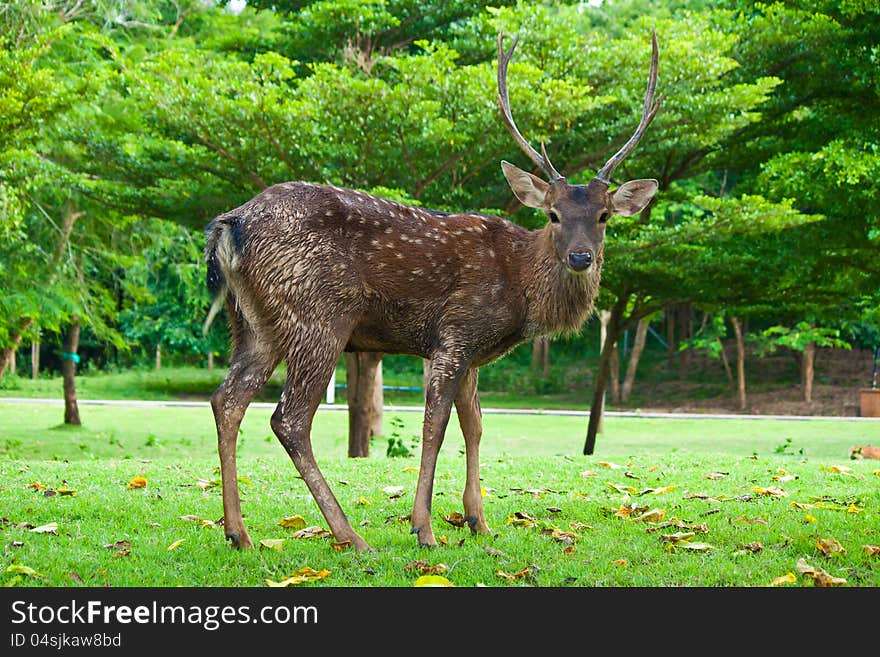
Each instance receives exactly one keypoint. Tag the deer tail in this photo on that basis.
(222, 249)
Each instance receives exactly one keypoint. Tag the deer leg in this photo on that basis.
(307, 378)
(248, 372)
(467, 403)
(440, 393)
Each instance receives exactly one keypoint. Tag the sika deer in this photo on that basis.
(310, 270)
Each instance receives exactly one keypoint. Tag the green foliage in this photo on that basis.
(799, 337)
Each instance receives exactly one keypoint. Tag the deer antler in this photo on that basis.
(541, 158)
(651, 107)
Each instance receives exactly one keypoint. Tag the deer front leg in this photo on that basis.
(439, 395)
(467, 403)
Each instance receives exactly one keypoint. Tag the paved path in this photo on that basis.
(486, 411)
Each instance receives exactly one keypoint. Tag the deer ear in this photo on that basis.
(529, 189)
(631, 197)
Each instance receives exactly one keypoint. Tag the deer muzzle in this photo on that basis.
(580, 260)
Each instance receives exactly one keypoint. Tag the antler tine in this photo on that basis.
(650, 109)
(540, 159)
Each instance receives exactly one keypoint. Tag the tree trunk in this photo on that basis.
(670, 334)
(12, 364)
(740, 363)
(158, 356)
(685, 330)
(541, 356)
(635, 355)
(377, 401)
(614, 373)
(361, 381)
(69, 359)
(210, 361)
(611, 332)
(807, 372)
(35, 359)
(6, 355)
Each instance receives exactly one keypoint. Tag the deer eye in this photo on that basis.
(603, 217)
(554, 218)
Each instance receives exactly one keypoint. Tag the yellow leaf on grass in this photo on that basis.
(872, 550)
(432, 581)
(809, 518)
(272, 543)
(802, 505)
(21, 569)
(773, 491)
(660, 491)
(829, 546)
(424, 568)
(788, 578)
(197, 519)
(363, 501)
(654, 515)
(841, 469)
(137, 482)
(620, 562)
(588, 473)
(293, 522)
(525, 572)
(455, 519)
(411, 468)
(36, 486)
(175, 544)
(715, 475)
(521, 519)
(49, 528)
(301, 576)
(66, 491)
(853, 509)
(607, 464)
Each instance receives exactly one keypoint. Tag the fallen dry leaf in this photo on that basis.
(788, 578)
(36, 486)
(393, 492)
(588, 473)
(424, 568)
(312, 532)
(560, 536)
(620, 562)
(829, 546)
(69, 492)
(493, 552)
(754, 547)
(175, 544)
(292, 522)
(272, 543)
(118, 545)
(809, 518)
(75, 577)
(623, 488)
(411, 468)
(301, 576)
(657, 491)
(872, 550)
(819, 576)
(48, 528)
(773, 491)
(198, 520)
(784, 478)
(607, 464)
(339, 546)
(137, 482)
(758, 520)
(525, 572)
(121, 553)
(521, 519)
(839, 469)
(654, 515)
(455, 519)
(363, 501)
(576, 525)
(715, 475)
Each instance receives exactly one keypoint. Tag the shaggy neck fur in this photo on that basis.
(559, 300)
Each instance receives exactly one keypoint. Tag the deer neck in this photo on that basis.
(559, 300)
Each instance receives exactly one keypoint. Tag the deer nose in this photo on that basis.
(580, 261)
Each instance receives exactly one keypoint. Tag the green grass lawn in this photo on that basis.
(776, 490)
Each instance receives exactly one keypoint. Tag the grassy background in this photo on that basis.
(530, 464)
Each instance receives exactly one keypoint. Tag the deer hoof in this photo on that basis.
(239, 541)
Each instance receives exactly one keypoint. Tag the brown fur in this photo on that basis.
(864, 452)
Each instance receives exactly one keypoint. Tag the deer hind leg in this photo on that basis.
(309, 369)
(446, 372)
(467, 403)
(248, 372)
